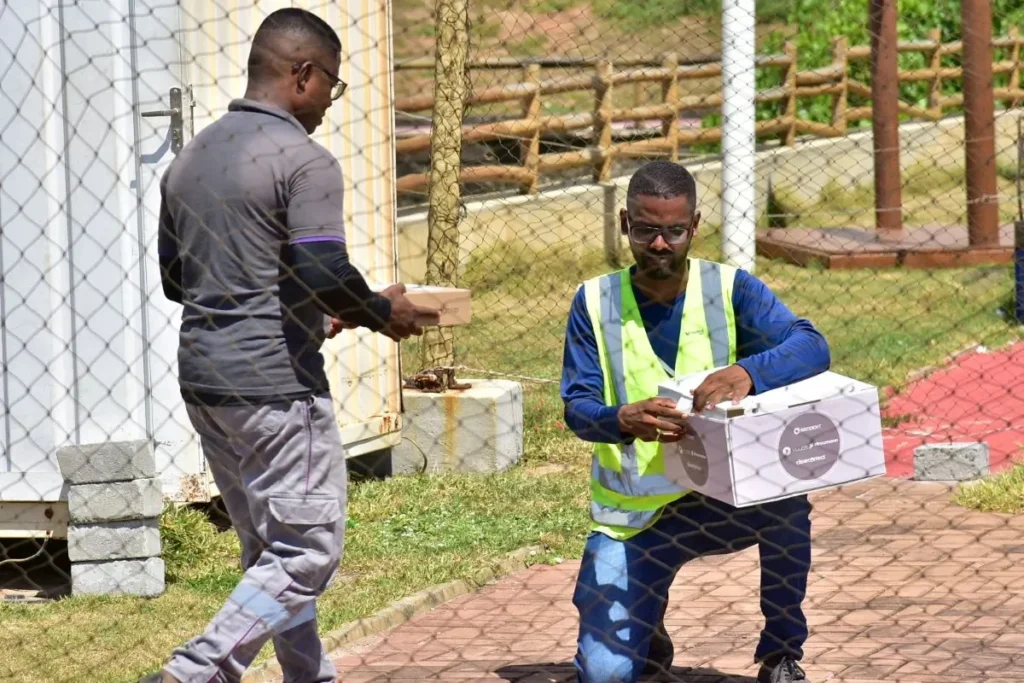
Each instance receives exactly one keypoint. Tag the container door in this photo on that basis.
(87, 125)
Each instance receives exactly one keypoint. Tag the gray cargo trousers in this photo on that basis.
(280, 469)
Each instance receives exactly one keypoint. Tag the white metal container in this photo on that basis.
(88, 342)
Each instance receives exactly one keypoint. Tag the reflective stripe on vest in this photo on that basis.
(627, 481)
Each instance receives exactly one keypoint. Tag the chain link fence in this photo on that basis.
(489, 145)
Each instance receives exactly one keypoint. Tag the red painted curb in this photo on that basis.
(977, 397)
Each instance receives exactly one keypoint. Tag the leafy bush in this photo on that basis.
(817, 22)
(812, 25)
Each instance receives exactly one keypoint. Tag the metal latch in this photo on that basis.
(177, 120)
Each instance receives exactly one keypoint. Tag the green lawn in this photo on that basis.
(409, 533)
(1003, 492)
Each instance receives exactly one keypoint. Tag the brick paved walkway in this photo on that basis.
(906, 588)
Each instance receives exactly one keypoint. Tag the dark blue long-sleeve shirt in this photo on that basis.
(774, 346)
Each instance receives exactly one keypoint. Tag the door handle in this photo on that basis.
(177, 120)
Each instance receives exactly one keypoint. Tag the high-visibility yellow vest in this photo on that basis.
(628, 486)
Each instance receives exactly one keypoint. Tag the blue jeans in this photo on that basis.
(622, 589)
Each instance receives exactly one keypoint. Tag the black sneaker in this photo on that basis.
(786, 671)
(660, 654)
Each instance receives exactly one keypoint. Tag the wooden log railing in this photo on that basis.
(833, 81)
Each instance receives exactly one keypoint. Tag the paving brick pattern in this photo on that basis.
(906, 587)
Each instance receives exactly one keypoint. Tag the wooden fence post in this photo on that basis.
(885, 122)
(530, 147)
(670, 96)
(979, 125)
(839, 100)
(935, 64)
(450, 92)
(603, 121)
(789, 137)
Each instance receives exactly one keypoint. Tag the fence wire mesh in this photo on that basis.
(171, 467)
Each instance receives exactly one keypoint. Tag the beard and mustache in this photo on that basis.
(661, 264)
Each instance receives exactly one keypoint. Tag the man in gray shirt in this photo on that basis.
(252, 244)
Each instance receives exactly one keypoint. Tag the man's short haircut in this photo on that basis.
(663, 179)
(305, 28)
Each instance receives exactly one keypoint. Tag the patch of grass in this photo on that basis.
(890, 422)
(482, 29)
(1008, 171)
(1002, 492)
(840, 196)
(635, 14)
(930, 178)
(932, 195)
(186, 534)
(531, 46)
(551, 6)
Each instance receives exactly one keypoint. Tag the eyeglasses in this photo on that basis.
(646, 234)
(338, 86)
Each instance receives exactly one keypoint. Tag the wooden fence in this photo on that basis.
(833, 80)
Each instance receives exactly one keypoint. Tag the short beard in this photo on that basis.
(662, 272)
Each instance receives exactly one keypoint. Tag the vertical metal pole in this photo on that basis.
(979, 119)
(450, 92)
(885, 120)
(738, 133)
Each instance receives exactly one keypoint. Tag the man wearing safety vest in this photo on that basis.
(667, 316)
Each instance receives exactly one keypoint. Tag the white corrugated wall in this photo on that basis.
(87, 342)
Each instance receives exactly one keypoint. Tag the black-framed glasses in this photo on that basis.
(646, 234)
(338, 86)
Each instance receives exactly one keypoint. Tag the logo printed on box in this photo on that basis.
(694, 458)
(809, 445)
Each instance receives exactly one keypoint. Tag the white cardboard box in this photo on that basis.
(815, 434)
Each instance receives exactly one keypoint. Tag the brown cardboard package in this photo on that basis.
(454, 303)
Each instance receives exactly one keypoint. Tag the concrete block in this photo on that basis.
(475, 430)
(110, 461)
(121, 577)
(951, 461)
(114, 540)
(116, 501)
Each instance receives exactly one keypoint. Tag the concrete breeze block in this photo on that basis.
(951, 461)
(112, 502)
(109, 461)
(114, 540)
(475, 430)
(123, 577)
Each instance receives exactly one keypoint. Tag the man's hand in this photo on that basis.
(336, 326)
(407, 319)
(655, 419)
(732, 383)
